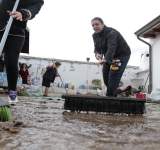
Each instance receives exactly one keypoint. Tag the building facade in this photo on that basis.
(151, 32)
(76, 75)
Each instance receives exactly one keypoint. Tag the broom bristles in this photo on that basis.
(5, 113)
(104, 104)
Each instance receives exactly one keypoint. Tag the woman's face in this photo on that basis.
(97, 26)
(24, 66)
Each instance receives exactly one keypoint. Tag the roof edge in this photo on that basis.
(148, 26)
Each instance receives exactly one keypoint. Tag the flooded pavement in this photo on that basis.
(42, 124)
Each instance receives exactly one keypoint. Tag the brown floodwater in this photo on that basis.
(42, 124)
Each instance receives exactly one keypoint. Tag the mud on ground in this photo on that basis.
(41, 124)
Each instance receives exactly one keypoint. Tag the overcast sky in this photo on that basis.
(63, 30)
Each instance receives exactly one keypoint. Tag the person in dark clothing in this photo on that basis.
(112, 51)
(24, 73)
(27, 9)
(49, 76)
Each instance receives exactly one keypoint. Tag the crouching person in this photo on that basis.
(49, 76)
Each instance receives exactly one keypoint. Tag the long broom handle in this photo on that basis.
(62, 83)
(8, 26)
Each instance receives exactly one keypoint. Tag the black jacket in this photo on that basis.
(111, 44)
(28, 8)
(50, 74)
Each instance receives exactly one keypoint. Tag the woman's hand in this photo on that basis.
(16, 15)
(98, 56)
(101, 61)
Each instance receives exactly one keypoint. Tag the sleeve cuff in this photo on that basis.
(108, 61)
(26, 14)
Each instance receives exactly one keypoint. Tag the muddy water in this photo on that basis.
(47, 127)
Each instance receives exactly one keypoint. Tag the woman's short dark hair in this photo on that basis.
(57, 63)
(99, 19)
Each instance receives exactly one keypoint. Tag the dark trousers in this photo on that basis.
(11, 52)
(112, 78)
(24, 81)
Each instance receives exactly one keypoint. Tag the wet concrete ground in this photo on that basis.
(42, 124)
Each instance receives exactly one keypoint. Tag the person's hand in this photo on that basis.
(98, 56)
(16, 15)
(101, 61)
(57, 75)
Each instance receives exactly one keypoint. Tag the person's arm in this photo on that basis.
(47, 68)
(32, 9)
(57, 75)
(28, 12)
(27, 72)
(29, 66)
(96, 51)
(56, 72)
(111, 46)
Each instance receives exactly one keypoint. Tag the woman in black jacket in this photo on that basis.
(112, 51)
(49, 76)
(27, 10)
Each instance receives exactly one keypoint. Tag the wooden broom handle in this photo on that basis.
(7, 29)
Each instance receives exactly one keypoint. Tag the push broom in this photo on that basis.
(5, 112)
(87, 103)
(62, 83)
(104, 104)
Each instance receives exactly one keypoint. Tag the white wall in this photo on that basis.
(156, 62)
(72, 72)
(129, 75)
(75, 73)
(144, 61)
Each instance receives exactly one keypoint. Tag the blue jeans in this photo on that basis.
(112, 78)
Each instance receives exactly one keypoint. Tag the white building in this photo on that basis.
(144, 61)
(75, 74)
(151, 32)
